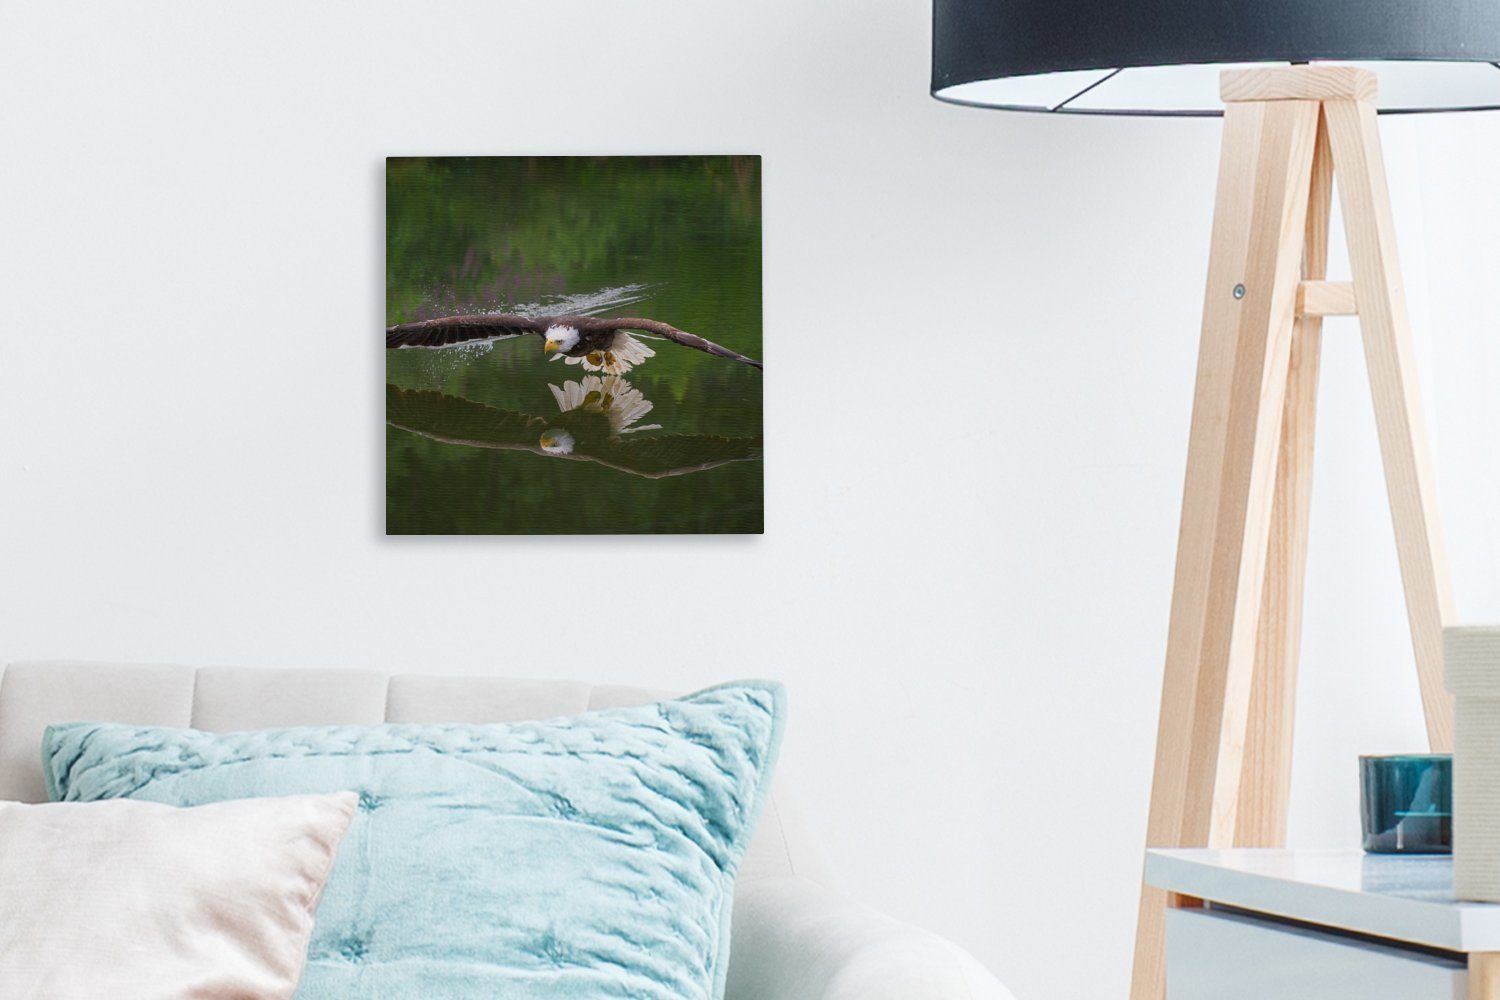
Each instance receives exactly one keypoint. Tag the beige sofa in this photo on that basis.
(792, 938)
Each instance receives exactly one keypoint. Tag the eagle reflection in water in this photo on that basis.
(612, 398)
(598, 420)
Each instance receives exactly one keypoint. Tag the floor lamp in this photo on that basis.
(1296, 85)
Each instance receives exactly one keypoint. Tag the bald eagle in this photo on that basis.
(600, 345)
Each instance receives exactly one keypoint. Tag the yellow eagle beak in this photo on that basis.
(549, 347)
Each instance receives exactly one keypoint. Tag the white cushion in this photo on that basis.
(142, 900)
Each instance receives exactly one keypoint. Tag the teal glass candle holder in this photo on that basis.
(1406, 803)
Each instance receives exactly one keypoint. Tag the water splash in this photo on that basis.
(585, 303)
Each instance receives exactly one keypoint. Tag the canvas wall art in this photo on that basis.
(573, 345)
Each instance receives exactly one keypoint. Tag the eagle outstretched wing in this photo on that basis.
(462, 329)
(449, 330)
(682, 337)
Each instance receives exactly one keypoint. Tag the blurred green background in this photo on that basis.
(550, 234)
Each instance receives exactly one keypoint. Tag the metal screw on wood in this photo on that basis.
(1239, 291)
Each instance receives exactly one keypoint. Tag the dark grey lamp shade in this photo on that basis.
(1162, 57)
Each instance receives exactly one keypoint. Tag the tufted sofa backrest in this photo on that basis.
(225, 699)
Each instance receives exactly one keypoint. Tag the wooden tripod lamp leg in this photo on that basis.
(1398, 408)
(1266, 776)
(1244, 358)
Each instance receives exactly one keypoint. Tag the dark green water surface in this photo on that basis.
(673, 239)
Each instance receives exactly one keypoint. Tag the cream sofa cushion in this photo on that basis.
(136, 899)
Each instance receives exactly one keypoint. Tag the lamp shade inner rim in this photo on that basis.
(1406, 86)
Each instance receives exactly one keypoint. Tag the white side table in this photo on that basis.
(1322, 925)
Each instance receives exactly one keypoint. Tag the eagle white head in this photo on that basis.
(556, 441)
(561, 339)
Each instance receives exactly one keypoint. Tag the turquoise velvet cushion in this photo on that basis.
(580, 858)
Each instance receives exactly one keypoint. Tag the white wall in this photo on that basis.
(970, 608)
